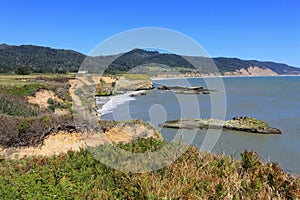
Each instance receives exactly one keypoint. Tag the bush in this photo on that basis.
(249, 160)
(46, 120)
(51, 108)
(23, 125)
(50, 101)
(16, 131)
(195, 175)
(16, 105)
(22, 90)
(22, 71)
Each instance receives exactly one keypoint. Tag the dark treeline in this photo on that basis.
(27, 59)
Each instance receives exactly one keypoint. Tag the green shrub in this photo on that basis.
(77, 175)
(102, 81)
(143, 145)
(51, 108)
(22, 70)
(15, 105)
(50, 101)
(249, 159)
(46, 120)
(16, 131)
(23, 90)
(23, 125)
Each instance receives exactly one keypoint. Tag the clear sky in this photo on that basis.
(247, 29)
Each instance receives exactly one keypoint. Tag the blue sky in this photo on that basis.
(247, 29)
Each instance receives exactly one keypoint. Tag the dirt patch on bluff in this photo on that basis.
(63, 141)
(126, 132)
(41, 98)
(116, 135)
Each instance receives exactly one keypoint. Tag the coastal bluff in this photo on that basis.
(127, 82)
(245, 124)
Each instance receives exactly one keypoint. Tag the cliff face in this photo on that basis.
(62, 141)
(105, 88)
(124, 84)
(252, 71)
(128, 82)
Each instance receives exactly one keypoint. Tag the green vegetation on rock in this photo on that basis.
(247, 124)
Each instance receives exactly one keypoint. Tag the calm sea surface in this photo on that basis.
(275, 100)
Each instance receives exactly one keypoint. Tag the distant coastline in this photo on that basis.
(222, 76)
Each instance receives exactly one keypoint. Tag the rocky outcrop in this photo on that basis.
(105, 89)
(246, 124)
(124, 84)
(130, 82)
(128, 131)
(185, 90)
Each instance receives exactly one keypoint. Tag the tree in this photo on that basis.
(22, 71)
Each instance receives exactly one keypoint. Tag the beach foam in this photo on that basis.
(108, 104)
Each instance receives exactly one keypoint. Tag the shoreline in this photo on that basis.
(226, 76)
(114, 101)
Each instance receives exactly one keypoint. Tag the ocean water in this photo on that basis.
(275, 100)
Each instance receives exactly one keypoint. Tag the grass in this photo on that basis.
(9, 79)
(23, 90)
(195, 175)
(103, 94)
(156, 70)
(134, 77)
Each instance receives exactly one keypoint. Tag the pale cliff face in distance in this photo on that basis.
(252, 71)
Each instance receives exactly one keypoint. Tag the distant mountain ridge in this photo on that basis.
(44, 59)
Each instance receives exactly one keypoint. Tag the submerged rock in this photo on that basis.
(246, 124)
(163, 87)
(133, 95)
(185, 90)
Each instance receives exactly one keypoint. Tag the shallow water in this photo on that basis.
(275, 100)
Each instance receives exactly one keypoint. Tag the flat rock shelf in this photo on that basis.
(246, 124)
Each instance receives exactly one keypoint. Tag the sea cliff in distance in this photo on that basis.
(26, 59)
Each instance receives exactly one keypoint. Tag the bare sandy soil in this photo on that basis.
(41, 99)
(62, 141)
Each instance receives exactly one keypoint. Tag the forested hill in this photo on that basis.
(205, 65)
(37, 59)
